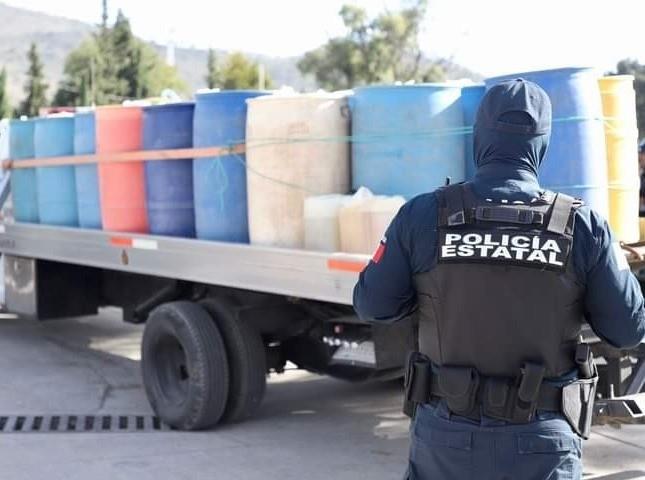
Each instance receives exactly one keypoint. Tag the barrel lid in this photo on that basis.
(616, 78)
(542, 73)
(169, 106)
(56, 117)
(129, 107)
(21, 121)
(295, 96)
(216, 93)
(413, 86)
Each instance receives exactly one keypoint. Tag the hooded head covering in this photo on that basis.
(512, 130)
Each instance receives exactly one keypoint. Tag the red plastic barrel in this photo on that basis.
(122, 185)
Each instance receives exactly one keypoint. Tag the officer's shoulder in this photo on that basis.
(588, 222)
(419, 206)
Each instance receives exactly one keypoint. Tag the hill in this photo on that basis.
(57, 36)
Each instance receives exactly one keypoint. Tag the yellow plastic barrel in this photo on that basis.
(621, 135)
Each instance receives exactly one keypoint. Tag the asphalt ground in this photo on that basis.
(309, 426)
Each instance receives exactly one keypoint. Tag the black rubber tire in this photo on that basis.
(246, 360)
(184, 366)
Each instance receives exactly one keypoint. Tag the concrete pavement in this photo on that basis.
(308, 427)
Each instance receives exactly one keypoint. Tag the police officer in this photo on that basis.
(501, 275)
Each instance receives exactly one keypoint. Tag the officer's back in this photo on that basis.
(502, 274)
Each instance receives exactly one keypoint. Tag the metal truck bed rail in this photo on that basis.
(299, 273)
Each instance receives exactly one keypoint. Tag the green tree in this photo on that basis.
(128, 58)
(238, 72)
(79, 83)
(35, 87)
(112, 66)
(629, 66)
(213, 75)
(379, 50)
(5, 110)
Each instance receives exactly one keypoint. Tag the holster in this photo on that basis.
(577, 404)
(578, 397)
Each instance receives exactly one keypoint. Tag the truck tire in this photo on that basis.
(246, 360)
(185, 371)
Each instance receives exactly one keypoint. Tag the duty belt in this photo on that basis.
(515, 400)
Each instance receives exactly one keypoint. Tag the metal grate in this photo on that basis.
(81, 423)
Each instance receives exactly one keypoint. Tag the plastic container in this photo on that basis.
(169, 183)
(308, 155)
(621, 136)
(322, 225)
(24, 191)
(364, 220)
(87, 177)
(471, 97)
(54, 137)
(407, 139)
(575, 161)
(122, 185)
(220, 182)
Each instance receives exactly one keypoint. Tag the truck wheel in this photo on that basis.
(185, 371)
(246, 360)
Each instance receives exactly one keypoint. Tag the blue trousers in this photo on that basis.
(447, 447)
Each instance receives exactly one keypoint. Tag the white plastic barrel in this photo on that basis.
(322, 232)
(296, 148)
(364, 220)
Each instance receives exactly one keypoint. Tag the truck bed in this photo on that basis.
(299, 273)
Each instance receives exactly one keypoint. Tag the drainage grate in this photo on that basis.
(81, 423)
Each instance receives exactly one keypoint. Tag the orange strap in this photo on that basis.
(125, 157)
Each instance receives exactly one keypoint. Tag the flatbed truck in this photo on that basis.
(221, 316)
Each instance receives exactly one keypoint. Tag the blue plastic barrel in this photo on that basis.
(575, 162)
(169, 183)
(471, 97)
(24, 191)
(220, 182)
(54, 137)
(87, 180)
(407, 139)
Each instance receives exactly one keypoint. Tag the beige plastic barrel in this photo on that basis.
(621, 135)
(296, 147)
(363, 223)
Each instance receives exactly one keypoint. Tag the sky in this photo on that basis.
(491, 37)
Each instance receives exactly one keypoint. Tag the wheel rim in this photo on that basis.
(172, 372)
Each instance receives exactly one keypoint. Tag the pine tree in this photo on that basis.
(104, 15)
(35, 87)
(128, 58)
(5, 110)
(214, 75)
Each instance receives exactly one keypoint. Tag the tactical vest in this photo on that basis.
(503, 291)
